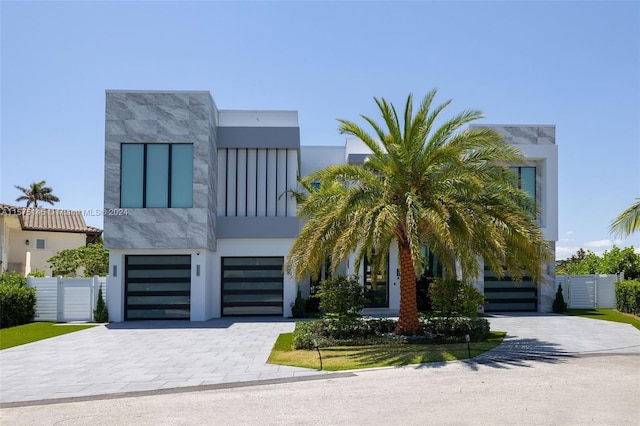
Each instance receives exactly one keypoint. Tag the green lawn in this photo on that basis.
(607, 315)
(355, 357)
(27, 333)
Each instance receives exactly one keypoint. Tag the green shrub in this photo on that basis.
(453, 297)
(13, 278)
(100, 313)
(37, 273)
(333, 330)
(628, 296)
(299, 307)
(476, 328)
(342, 296)
(312, 305)
(17, 302)
(422, 293)
(559, 305)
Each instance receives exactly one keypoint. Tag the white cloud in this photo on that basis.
(565, 252)
(598, 243)
(568, 233)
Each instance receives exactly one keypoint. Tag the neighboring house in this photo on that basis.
(29, 237)
(201, 214)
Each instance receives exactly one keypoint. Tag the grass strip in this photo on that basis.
(338, 358)
(606, 315)
(27, 333)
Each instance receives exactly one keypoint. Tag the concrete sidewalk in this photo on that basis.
(155, 355)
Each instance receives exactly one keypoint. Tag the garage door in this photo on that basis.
(506, 295)
(157, 287)
(252, 285)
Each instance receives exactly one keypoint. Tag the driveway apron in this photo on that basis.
(143, 356)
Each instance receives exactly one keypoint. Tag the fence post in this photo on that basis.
(60, 300)
(94, 295)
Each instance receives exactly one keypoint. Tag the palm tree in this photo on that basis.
(628, 221)
(37, 191)
(442, 187)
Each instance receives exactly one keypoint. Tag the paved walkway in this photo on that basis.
(144, 356)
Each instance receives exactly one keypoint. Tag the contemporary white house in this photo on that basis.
(200, 215)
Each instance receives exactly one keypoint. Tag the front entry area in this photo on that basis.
(157, 287)
(252, 286)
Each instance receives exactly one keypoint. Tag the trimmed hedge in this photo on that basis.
(476, 328)
(330, 331)
(363, 331)
(17, 302)
(628, 296)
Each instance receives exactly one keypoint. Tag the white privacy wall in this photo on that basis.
(67, 299)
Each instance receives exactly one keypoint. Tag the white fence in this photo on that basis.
(588, 291)
(67, 299)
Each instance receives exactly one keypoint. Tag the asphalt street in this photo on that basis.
(559, 390)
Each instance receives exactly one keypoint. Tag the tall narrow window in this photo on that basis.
(182, 175)
(527, 180)
(157, 194)
(156, 175)
(132, 175)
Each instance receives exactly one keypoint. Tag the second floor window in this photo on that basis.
(156, 175)
(527, 180)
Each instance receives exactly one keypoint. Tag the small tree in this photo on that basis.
(342, 296)
(100, 313)
(559, 304)
(451, 296)
(94, 258)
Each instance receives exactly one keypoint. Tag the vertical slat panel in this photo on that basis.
(222, 182)
(261, 191)
(272, 174)
(73, 296)
(252, 159)
(292, 183)
(281, 183)
(241, 184)
(231, 181)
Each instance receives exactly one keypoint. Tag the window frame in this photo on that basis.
(44, 243)
(145, 171)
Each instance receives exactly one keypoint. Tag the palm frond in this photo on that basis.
(627, 222)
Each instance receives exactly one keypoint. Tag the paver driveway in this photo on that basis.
(143, 356)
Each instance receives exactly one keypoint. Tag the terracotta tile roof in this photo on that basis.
(54, 220)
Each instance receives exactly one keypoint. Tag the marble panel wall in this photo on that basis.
(536, 135)
(162, 117)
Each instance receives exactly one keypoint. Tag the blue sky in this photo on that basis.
(572, 64)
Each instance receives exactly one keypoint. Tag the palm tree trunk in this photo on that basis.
(408, 321)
